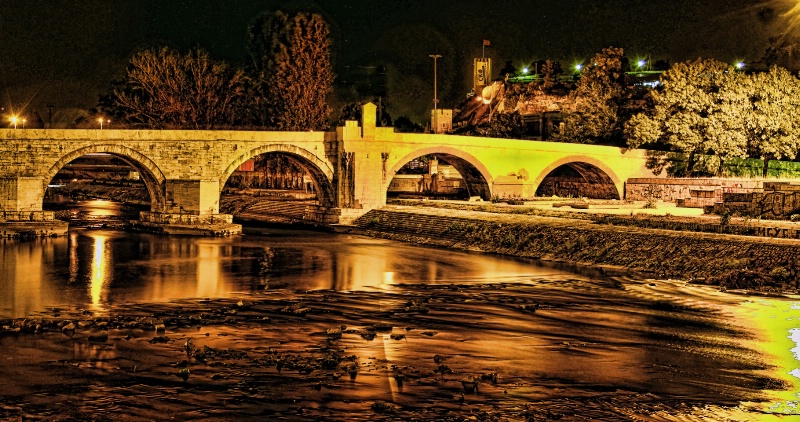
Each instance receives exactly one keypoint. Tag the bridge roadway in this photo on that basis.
(185, 170)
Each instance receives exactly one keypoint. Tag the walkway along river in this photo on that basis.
(109, 325)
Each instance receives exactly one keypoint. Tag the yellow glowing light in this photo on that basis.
(99, 270)
(779, 334)
(13, 120)
(792, 15)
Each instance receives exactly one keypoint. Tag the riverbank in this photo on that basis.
(471, 337)
(546, 349)
(732, 261)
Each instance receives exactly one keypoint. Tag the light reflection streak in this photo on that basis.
(103, 208)
(208, 268)
(73, 257)
(28, 278)
(100, 274)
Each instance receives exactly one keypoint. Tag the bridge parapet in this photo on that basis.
(186, 170)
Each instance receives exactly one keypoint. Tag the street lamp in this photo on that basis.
(14, 121)
(23, 122)
(435, 98)
(100, 120)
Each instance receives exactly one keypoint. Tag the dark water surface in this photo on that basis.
(562, 345)
(98, 269)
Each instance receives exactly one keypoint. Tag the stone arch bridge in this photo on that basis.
(185, 170)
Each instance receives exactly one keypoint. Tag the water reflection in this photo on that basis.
(98, 268)
(595, 336)
(102, 208)
(100, 275)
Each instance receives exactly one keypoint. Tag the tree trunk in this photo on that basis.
(766, 166)
(690, 165)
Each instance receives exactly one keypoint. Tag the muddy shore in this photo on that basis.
(489, 351)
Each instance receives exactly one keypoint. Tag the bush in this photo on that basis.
(780, 274)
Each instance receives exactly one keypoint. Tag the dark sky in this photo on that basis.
(66, 52)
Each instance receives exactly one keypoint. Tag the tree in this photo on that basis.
(773, 123)
(699, 109)
(292, 71)
(550, 70)
(597, 98)
(404, 124)
(164, 89)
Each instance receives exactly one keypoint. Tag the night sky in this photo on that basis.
(66, 52)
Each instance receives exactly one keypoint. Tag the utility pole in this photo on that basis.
(435, 98)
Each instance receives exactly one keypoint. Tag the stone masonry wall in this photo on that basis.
(778, 201)
(660, 252)
(672, 190)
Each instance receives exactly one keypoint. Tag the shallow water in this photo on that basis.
(562, 345)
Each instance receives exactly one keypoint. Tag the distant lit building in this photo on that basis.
(441, 120)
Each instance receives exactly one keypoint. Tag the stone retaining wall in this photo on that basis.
(691, 192)
(660, 252)
(777, 201)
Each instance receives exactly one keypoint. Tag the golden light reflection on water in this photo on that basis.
(101, 208)
(100, 275)
(28, 278)
(73, 257)
(208, 271)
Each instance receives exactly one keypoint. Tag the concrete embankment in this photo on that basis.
(662, 253)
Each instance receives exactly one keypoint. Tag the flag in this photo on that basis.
(486, 42)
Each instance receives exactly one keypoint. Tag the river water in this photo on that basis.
(563, 342)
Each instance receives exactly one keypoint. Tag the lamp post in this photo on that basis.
(100, 120)
(14, 121)
(435, 98)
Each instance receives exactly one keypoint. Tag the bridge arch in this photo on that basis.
(476, 176)
(590, 170)
(321, 171)
(150, 173)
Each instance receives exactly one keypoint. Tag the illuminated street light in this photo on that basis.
(23, 122)
(525, 70)
(100, 120)
(641, 63)
(740, 65)
(14, 121)
(435, 98)
(578, 67)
